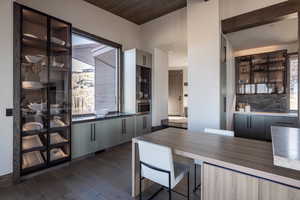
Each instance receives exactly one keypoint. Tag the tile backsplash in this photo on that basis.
(265, 103)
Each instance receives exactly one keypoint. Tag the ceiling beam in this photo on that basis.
(261, 16)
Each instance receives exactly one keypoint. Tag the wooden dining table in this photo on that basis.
(233, 168)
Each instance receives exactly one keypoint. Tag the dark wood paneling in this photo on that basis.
(139, 11)
(259, 17)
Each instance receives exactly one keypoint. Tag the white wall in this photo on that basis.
(231, 8)
(165, 37)
(203, 64)
(6, 82)
(83, 16)
(160, 87)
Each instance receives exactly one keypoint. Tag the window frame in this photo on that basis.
(289, 80)
(119, 78)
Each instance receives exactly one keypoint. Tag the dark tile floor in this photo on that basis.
(106, 176)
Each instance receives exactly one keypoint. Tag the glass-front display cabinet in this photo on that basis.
(42, 90)
(264, 73)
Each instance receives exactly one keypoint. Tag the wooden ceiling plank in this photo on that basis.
(259, 17)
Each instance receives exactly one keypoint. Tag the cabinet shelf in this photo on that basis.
(266, 69)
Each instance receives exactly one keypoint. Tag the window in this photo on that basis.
(95, 75)
(293, 68)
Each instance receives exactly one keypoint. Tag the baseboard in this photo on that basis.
(6, 180)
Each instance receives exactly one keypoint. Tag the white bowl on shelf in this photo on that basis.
(32, 126)
(34, 59)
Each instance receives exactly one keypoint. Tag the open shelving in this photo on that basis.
(264, 73)
(43, 90)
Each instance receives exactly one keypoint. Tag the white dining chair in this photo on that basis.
(200, 162)
(157, 164)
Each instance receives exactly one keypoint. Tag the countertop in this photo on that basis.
(286, 147)
(91, 118)
(268, 114)
(251, 157)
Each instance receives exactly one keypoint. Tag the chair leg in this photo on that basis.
(195, 178)
(140, 183)
(170, 189)
(188, 186)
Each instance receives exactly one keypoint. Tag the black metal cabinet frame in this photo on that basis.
(48, 46)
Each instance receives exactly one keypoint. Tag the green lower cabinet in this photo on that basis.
(128, 129)
(143, 124)
(95, 136)
(108, 133)
(82, 140)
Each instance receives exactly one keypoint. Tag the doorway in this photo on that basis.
(177, 111)
(175, 93)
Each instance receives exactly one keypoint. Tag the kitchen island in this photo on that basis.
(233, 168)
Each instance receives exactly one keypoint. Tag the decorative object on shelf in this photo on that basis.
(55, 109)
(56, 154)
(57, 64)
(57, 122)
(31, 35)
(32, 126)
(56, 138)
(38, 107)
(30, 142)
(34, 59)
(32, 85)
(32, 159)
(58, 41)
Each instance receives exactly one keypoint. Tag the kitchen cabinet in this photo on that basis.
(143, 124)
(250, 126)
(83, 142)
(278, 121)
(99, 135)
(108, 133)
(143, 59)
(128, 129)
(232, 184)
(259, 126)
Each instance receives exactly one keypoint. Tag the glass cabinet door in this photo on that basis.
(59, 90)
(34, 83)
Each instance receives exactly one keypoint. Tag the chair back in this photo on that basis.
(219, 132)
(159, 157)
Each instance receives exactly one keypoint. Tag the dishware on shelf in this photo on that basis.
(55, 40)
(38, 107)
(34, 59)
(32, 159)
(32, 85)
(30, 142)
(57, 122)
(55, 109)
(32, 126)
(57, 64)
(30, 35)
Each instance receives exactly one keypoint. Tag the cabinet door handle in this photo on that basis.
(94, 132)
(250, 121)
(144, 122)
